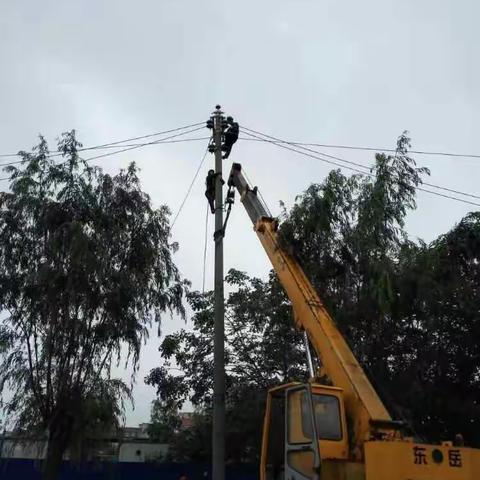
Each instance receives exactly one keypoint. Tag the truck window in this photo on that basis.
(327, 416)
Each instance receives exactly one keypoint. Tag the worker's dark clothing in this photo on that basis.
(210, 190)
(231, 136)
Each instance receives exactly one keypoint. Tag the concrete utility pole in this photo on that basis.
(218, 457)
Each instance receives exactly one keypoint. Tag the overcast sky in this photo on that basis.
(355, 73)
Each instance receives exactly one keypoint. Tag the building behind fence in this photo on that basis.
(129, 444)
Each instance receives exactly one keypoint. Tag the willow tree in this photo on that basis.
(85, 268)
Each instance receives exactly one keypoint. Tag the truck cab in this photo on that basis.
(304, 425)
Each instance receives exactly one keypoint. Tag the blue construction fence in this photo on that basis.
(15, 469)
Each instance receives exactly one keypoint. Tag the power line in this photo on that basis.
(305, 144)
(392, 150)
(375, 149)
(132, 139)
(192, 139)
(458, 192)
(281, 143)
(189, 188)
(148, 136)
(137, 145)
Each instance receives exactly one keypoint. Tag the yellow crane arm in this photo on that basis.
(362, 404)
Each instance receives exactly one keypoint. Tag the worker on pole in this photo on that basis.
(231, 136)
(210, 189)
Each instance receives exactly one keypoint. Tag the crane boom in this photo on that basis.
(362, 404)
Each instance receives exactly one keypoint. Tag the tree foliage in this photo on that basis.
(262, 349)
(85, 267)
(437, 364)
(164, 421)
(409, 310)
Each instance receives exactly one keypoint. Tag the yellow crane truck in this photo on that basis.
(340, 431)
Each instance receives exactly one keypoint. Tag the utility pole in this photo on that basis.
(218, 456)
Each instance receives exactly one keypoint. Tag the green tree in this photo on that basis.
(164, 421)
(99, 419)
(85, 268)
(193, 444)
(438, 365)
